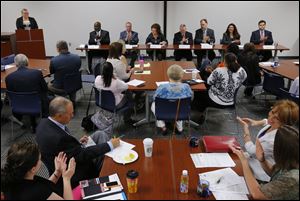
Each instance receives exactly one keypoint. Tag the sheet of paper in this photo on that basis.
(240, 188)
(203, 160)
(229, 196)
(206, 46)
(9, 66)
(160, 83)
(135, 82)
(296, 62)
(190, 70)
(184, 47)
(124, 146)
(93, 46)
(90, 142)
(118, 196)
(145, 72)
(155, 46)
(268, 47)
(146, 65)
(220, 179)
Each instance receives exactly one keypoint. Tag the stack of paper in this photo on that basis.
(124, 147)
(268, 47)
(135, 82)
(160, 83)
(226, 184)
(204, 160)
(206, 46)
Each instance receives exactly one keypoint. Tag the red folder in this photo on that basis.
(219, 144)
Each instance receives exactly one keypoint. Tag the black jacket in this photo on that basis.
(104, 38)
(52, 139)
(178, 38)
(249, 61)
(32, 25)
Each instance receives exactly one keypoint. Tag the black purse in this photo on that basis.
(86, 122)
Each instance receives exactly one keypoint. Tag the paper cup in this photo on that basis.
(148, 147)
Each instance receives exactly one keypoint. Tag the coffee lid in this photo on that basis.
(132, 174)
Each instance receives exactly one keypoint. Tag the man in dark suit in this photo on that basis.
(53, 137)
(26, 22)
(204, 35)
(61, 65)
(132, 38)
(98, 37)
(262, 37)
(183, 37)
(28, 80)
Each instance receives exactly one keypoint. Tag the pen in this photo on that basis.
(219, 180)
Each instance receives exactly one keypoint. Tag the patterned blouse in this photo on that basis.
(173, 91)
(224, 83)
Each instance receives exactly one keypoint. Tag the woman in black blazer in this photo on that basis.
(26, 22)
(231, 35)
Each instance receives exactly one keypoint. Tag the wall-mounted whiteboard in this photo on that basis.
(72, 21)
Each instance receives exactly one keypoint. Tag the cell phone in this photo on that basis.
(113, 183)
(139, 71)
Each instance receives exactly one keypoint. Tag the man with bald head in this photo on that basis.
(53, 137)
(183, 37)
(98, 37)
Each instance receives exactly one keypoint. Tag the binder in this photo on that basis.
(219, 144)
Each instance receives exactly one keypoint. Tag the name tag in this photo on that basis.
(155, 46)
(184, 47)
(206, 46)
(268, 47)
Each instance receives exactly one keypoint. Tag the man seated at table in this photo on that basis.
(132, 38)
(63, 64)
(53, 137)
(28, 80)
(173, 90)
(183, 37)
(98, 37)
(262, 37)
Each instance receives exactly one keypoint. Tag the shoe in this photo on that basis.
(163, 132)
(177, 132)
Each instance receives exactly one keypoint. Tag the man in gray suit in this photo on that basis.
(204, 35)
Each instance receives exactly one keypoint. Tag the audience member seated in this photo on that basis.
(204, 35)
(183, 37)
(121, 70)
(20, 182)
(250, 62)
(98, 37)
(156, 37)
(28, 80)
(132, 38)
(63, 64)
(284, 184)
(223, 83)
(262, 37)
(123, 55)
(173, 90)
(53, 137)
(26, 22)
(295, 87)
(284, 112)
(109, 82)
(231, 35)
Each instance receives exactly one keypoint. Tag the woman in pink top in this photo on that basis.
(110, 83)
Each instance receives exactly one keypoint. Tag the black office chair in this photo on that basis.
(272, 83)
(166, 110)
(72, 83)
(284, 94)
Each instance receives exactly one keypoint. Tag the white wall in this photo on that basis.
(282, 19)
(72, 21)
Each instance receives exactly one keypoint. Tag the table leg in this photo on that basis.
(147, 115)
(87, 61)
(154, 55)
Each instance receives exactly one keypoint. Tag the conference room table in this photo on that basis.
(159, 176)
(287, 69)
(39, 64)
(158, 73)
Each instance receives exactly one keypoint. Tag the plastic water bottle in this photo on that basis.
(276, 62)
(141, 62)
(184, 182)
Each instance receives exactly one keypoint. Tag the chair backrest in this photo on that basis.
(8, 59)
(105, 99)
(272, 83)
(26, 103)
(98, 68)
(284, 94)
(72, 82)
(165, 109)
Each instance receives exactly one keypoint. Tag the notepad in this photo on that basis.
(135, 82)
(144, 72)
(206, 46)
(184, 47)
(204, 160)
(268, 47)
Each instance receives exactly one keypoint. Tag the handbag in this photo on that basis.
(86, 122)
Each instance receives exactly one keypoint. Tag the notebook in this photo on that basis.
(219, 144)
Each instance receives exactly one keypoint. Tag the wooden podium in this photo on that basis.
(8, 43)
(31, 43)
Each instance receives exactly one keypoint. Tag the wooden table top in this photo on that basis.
(286, 69)
(39, 64)
(159, 73)
(159, 176)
